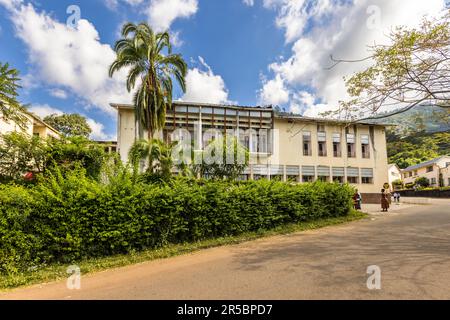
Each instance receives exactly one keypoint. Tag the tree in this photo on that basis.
(149, 57)
(412, 71)
(10, 108)
(222, 158)
(158, 153)
(20, 153)
(71, 125)
(422, 182)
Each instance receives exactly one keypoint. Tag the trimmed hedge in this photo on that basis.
(63, 219)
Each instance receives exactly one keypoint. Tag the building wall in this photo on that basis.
(438, 167)
(393, 175)
(289, 149)
(10, 126)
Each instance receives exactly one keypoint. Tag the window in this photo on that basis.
(410, 174)
(322, 178)
(367, 175)
(449, 182)
(307, 151)
(351, 146)
(337, 145)
(433, 181)
(338, 179)
(365, 146)
(367, 180)
(322, 140)
(352, 180)
(322, 149)
(416, 173)
(447, 164)
(308, 178)
(430, 169)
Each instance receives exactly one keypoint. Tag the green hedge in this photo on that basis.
(63, 219)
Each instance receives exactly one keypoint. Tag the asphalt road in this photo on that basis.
(410, 246)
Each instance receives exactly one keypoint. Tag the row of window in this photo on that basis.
(415, 172)
(337, 145)
(350, 180)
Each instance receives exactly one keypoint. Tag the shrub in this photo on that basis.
(68, 217)
(422, 182)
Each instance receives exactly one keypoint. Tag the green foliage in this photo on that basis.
(10, 108)
(222, 159)
(417, 148)
(20, 153)
(73, 152)
(422, 182)
(70, 125)
(67, 217)
(148, 56)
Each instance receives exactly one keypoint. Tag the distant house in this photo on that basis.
(34, 126)
(435, 170)
(394, 173)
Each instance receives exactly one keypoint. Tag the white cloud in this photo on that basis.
(162, 13)
(205, 86)
(73, 59)
(43, 110)
(343, 29)
(274, 92)
(58, 93)
(98, 131)
(249, 3)
(10, 4)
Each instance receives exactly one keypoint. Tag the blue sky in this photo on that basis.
(247, 52)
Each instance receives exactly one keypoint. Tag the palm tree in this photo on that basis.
(158, 153)
(10, 108)
(149, 57)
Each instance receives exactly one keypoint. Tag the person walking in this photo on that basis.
(384, 201)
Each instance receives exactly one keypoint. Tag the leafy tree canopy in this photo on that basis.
(10, 108)
(70, 125)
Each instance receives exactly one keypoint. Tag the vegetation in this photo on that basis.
(70, 125)
(69, 216)
(10, 108)
(151, 61)
(58, 271)
(422, 182)
(417, 147)
(21, 154)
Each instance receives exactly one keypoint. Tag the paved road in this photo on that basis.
(411, 246)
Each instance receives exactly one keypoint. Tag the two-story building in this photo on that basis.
(436, 171)
(34, 126)
(282, 146)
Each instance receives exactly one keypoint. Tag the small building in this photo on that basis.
(394, 174)
(34, 126)
(436, 171)
(282, 146)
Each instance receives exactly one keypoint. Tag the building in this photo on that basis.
(394, 174)
(34, 126)
(436, 171)
(282, 146)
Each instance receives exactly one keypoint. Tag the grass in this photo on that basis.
(58, 271)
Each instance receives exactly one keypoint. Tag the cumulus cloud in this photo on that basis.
(274, 92)
(162, 13)
(249, 3)
(202, 85)
(318, 29)
(58, 93)
(43, 110)
(69, 58)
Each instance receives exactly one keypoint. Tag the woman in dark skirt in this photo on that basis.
(384, 201)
